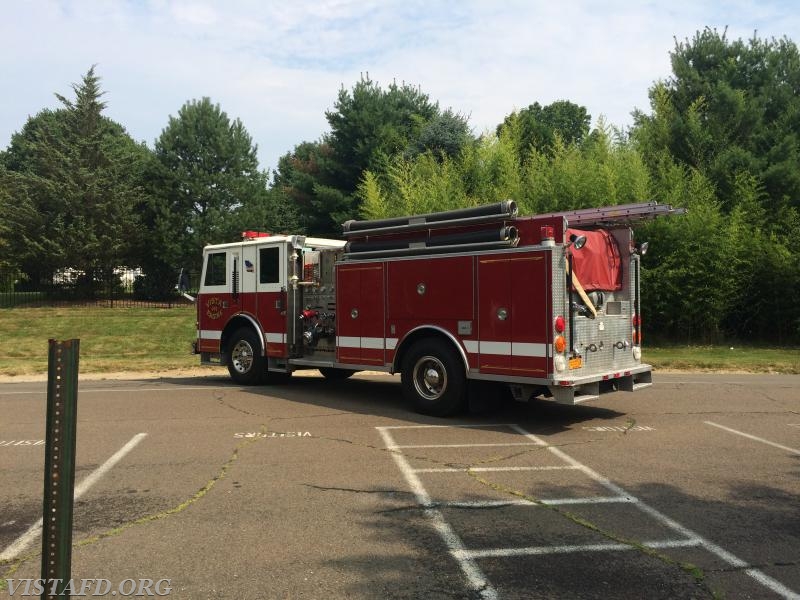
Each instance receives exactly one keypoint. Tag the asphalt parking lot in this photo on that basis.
(319, 489)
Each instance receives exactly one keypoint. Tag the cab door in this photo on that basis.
(271, 303)
(248, 277)
(219, 296)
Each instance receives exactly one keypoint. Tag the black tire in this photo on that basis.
(335, 374)
(433, 378)
(246, 364)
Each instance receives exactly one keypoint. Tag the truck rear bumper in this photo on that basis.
(584, 389)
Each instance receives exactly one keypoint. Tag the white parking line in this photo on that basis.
(488, 469)
(466, 558)
(547, 501)
(477, 580)
(448, 426)
(752, 437)
(542, 550)
(462, 445)
(687, 533)
(23, 541)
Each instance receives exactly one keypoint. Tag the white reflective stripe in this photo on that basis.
(372, 343)
(207, 334)
(275, 338)
(471, 346)
(503, 348)
(526, 349)
(348, 342)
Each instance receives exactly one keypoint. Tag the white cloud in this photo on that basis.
(278, 65)
(193, 13)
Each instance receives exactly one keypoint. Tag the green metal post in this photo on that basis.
(59, 466)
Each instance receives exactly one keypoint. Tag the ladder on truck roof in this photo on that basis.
(616, 215)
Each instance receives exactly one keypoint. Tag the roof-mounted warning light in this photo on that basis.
(251, 235)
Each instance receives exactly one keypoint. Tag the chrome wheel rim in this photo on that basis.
(430, 378)
(242, 357)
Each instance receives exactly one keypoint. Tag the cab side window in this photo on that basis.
(268, 261)
(216, 269)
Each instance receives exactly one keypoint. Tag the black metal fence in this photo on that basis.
(121, 288)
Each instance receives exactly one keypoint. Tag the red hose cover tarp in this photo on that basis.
(597, 265)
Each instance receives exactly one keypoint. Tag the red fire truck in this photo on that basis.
(548, 305)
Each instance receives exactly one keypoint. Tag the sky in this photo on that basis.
(278, 66)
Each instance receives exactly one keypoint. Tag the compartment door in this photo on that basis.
(513, 314)
(360, 337)
(530, 306)
(495, 315)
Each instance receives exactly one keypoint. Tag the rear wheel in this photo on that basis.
(334, 374)
(433, 378)
(246, 364)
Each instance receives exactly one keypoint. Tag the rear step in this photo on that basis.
(638, 381)
(592, 390)
(576, 395)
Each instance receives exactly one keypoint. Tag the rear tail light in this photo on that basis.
(559, 324)
(637, 330)
(560, 344)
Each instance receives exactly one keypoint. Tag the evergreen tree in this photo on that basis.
(730, 107)
(306, 179)
(444, 136)
(75, 179)
(369, 125)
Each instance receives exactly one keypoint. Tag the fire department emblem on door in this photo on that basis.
(214, 308)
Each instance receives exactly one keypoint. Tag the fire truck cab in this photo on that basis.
(548, 305)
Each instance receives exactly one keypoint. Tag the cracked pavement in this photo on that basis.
(288, 491)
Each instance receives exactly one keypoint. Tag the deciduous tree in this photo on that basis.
(536, 127)
(206, 185)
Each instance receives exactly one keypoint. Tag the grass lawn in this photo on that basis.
(725, 358)
(154, 339)
(112, 339)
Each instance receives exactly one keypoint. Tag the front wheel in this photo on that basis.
(246, 364)
(433, 378)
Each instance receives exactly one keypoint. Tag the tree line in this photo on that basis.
(721, 138)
